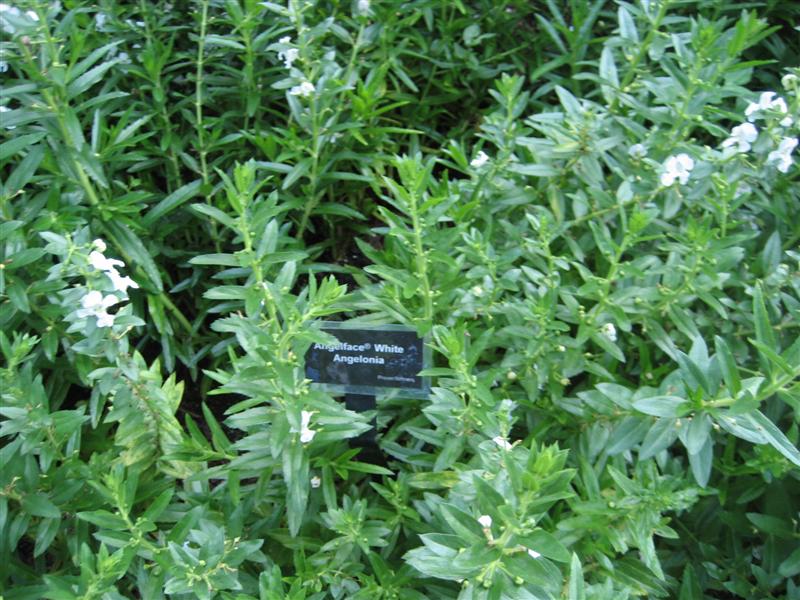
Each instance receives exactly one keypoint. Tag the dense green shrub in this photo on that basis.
(589, 209)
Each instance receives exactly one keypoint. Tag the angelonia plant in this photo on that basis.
(588, 211)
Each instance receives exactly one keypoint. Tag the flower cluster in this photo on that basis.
(10, 16)
(767, 102)
(743, 136)
(95, 303)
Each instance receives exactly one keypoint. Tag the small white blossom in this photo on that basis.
(101, 263)
(95, 305)
(677, 167)
(502, 442)
(637, 151)
(786, 121)
(481, 159)
(316, 482)
(742, 136)
(363, 7)
(477, 291)
(3, 66)
(533, 553)
(32, 16)
(289, 55)
(306, 434)
(609, 331)
(100, 21)
(305, 89)
(789, 80)
(485, 521)
(120, 283)
(99, 245)
(766, 101)
(782, 156)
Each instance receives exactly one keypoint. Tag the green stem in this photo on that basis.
(643, 48)
(421, 262)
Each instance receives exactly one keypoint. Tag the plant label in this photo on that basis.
(379, 359)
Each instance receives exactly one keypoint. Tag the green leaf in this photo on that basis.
(700, 462)
(24, 257)
(158, 505)
(40, 505)
(662, 406)
(104, 519)
(546, 544)
(764, 333)
(533, 170)
(225, 260)
(295, 474)
(89, 78)
(774, 436)
(172, 202)
(730, 372)
(576, 589)
(791, 566)
(18, 143)
(216, 214)
(25, 171)
(133, 248)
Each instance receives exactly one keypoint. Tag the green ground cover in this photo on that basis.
(590, 210)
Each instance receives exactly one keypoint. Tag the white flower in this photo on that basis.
(789, 80)
(3, 66)
(481, 159)
(95, 304)
(677, 167)
(32, 15)
(100, 21)
(289, 55)
(782, 155)
(477, 291)
(305, 89)
(502, 442)
(363, 7)
(533, 553)
(485, 521)
(786, 121)
(120, 283)
(609, 331)
(101, 263)
(765, 102)
(742, 136)
(316, 482)
(99, 245)
(306, 434)
(637, 151)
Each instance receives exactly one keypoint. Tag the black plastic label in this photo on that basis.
(369, 360)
